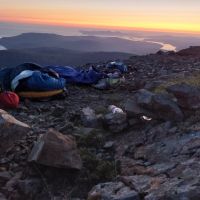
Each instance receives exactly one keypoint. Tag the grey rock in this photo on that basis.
(112, 191)
(187, 96)
(156, 106)
(89, 118)
(144, 98)
(116, 122)
(134, 110)
(109, 145)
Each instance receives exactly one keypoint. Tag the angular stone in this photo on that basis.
(56, 150)
(10, 130)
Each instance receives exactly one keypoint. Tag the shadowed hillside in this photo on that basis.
(56, 56)
(78, 43)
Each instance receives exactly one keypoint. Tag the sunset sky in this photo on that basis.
(171, 15)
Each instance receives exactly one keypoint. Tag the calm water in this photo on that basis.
(164, 46)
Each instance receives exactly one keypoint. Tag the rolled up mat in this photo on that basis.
(39, 95)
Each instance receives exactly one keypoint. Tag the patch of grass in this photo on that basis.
(97, 169)
(193, 80)
(95, 138)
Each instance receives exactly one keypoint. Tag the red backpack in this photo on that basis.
(9, 100)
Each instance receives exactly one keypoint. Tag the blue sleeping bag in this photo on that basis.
(72, 75)
(43, 82)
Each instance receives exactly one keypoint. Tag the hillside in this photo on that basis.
(78, 148)
(191, 51)
(56, 56)
(78, 43)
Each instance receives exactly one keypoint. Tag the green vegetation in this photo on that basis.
(193, 79)
(97, 169)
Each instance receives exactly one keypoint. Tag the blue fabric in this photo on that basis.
(118, 65)
(43, 82)
(72, 75)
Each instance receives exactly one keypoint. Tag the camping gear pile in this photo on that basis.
(33, 81)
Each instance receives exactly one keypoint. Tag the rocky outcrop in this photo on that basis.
(187, 96)
(56, 150)
(157, 106)
(191, 51)
(11, 130)
(145, 187)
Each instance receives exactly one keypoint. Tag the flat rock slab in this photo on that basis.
(56, 150)
(10, 130)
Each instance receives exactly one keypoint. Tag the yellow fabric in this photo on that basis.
(35, 95)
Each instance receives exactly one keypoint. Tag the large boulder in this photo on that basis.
(187, 96)
(56, 150)
(10, 130)
(157, 106)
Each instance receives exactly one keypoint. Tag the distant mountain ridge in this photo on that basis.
(79, 43)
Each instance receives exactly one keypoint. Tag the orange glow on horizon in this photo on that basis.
(180, 16)
(141, 27)
(95, 18)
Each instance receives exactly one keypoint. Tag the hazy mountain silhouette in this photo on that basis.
(79, 43)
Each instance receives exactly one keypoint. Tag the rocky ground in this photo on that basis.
(77, 148)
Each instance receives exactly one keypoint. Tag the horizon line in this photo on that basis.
(127, 28)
